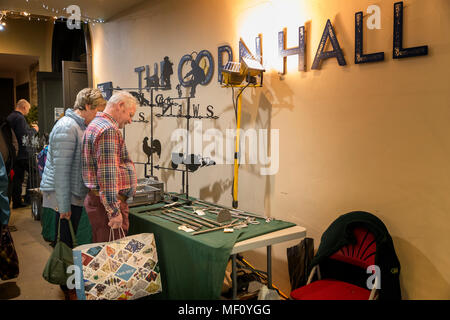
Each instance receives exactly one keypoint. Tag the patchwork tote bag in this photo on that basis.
(123, 269)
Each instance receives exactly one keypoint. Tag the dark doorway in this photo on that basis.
(67, 45)
(50, 95)
(75, 78)
(72, 56)
(23, 92)
(7, 97)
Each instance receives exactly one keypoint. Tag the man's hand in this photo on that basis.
(115, 222)
(65, 215)
(35, 127)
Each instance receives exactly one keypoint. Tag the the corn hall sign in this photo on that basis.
(328, 35)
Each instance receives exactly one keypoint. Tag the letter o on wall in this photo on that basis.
(206, 54)
(187, 57)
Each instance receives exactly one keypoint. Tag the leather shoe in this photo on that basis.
(70, 295)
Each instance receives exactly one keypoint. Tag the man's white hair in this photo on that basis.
(122, 96)
(21, 103)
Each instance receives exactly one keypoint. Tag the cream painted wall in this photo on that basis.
(31, 38)
(371, 137)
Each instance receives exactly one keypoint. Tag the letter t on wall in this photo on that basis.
(300, 50)
(139, 71)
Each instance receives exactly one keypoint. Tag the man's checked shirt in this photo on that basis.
(107, 167)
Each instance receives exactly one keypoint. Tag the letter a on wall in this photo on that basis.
(328, 33)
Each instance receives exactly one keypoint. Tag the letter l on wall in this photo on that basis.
(400, 52)
(359, 56)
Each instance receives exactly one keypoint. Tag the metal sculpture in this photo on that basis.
(166, 72)
(192, 161)
(199, 74)
(155, 147)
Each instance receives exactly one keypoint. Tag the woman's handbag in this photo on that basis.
(9, 262)
(55, 270)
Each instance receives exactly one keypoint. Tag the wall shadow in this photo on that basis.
(216, 190)
(419, 277)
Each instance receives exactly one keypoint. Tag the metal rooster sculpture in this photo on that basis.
(154, 148)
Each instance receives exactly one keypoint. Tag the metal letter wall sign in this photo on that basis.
(300, 50)
(220, 51)
(328, 33)
(154, 81)
(139, 71)
(359, 56)
(245, 52)
(398, 51)
(202, 69)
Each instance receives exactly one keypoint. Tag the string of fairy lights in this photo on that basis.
(54, 14)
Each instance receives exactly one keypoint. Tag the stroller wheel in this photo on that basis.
(36, 207)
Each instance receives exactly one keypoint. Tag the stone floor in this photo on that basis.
(33, 252)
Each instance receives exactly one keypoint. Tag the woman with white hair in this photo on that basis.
(62, 182)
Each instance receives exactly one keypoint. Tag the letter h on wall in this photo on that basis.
(300, 50)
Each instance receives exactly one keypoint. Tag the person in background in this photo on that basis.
(19, 125)
(108, 170)
(9, 148)
(4, 200)
(62, 183)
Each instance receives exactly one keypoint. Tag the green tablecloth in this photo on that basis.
(84, 231)
(193, 267)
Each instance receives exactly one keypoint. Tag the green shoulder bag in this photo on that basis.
(55, 270)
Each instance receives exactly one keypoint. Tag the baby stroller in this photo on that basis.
(37, 150)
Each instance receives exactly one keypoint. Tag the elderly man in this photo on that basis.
(108, 170)
(17, 122)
